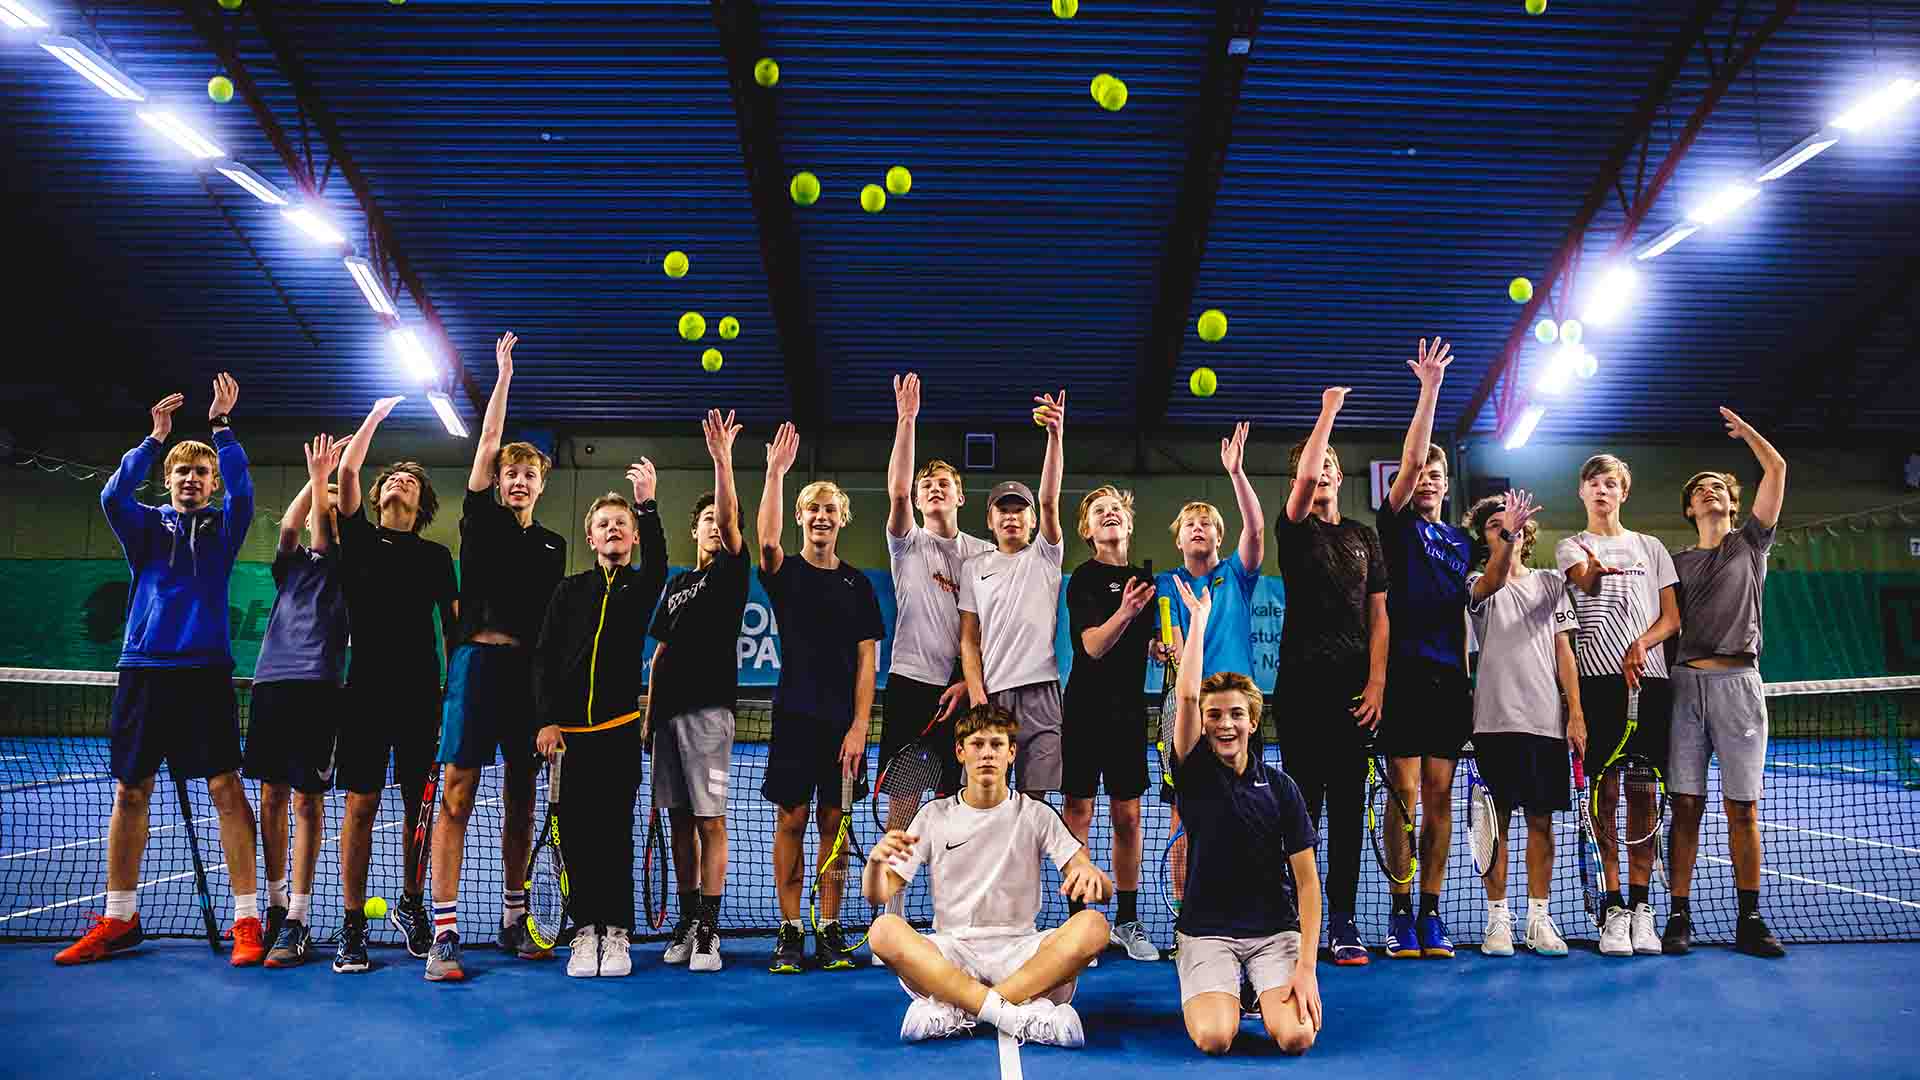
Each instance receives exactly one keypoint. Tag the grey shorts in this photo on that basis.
(1214, 965)
(691, 753)
(1718, 712)
(1037, 764)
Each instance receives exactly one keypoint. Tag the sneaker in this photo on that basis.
(1434, 942)
(104, 938)
(615, 957)
(1640, 924)
(706, 948)
(680, 946)
(410, 917)
(830, 952)
(443, 963)
(248, 948)
(1678, 939)
(583, 956)
(1752, 937)
(928, 1018)
(1132, 936)
(1343, 938)
(1401, 944)
(350, 958)
(788, 951)
(270, 931)
(873, 959)
(1498, 940)
(291, 947)
(1616, 935)
(1043, 1022)
(516, 940)
(1544, 938)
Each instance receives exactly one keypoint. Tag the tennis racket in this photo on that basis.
(423, 828)
(833, 872)
(1593, 881)
(905, 780)
(1381, 797)
(548, 889)
(1484, 831)
(199, 868)
(1640, 785)
(1173, 871)
(653, 872)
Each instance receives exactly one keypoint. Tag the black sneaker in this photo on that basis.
(409, 916)
(270, 930)
(788, 951)
(830, 952)
(290, 948)
(351, 957)
(1677, 939)
(1752, 937)
(516, 940)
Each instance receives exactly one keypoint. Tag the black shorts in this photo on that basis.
(1603, 700)
(290, 734)
(489, 705)
(1103, 741)
(908, 705)
(186, 717)
(803, 758)
(386, 717)
(1524, 770)
(1428, 709)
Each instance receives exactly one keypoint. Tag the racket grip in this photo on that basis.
(1166, 620)
(1579, 771)
(1633, 703)
(846, 794)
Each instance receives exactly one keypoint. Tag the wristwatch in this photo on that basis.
(223, 420)
(1506, 536)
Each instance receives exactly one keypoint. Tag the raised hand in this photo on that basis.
(1051, 411)
(783, 449)
(1233, 450)
(225, 393)
(1200, 605)
(1333, 397)
(323, 456)
(383, 408)
(162, 413)
(906, 396)
(1137, 595)
(503, 353)
(1736, 427)
(1432, 365)
(1520, 509)
(643, 478)
(719, 432)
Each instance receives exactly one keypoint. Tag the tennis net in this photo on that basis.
(1840, 821)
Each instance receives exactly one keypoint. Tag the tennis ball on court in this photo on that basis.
(1536, 7)
(1213, 324)
(729, 328)
(1113, 97)
(1546, 331)
(693, 326)
(873, 198)
(710, 360)
(1571, 331)
(899, 180)
(766, 72)
(1203, 382)
(1065, 9)
(676, 264)
(1520, 290)
(376, 907)
(805, 188)
(220, 89)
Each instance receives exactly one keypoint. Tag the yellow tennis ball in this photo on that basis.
(1099, 85)
(710, 360)
(899, 180)
(1535, 7)
(693, 327)
(1114, 97)
(675, 264)
(1213, 327)
(766, 72)
(1041, 414)
(729, 328)
(220, 89)
(376, 907)
(1203, 382)
(1065, 9)
(805, 188)
(230, 5)
(873, 198)
(1520, 290)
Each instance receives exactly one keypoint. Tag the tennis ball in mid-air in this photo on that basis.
(729, 328)
(1203, 382)
(805, 188)
(1065, 9)
(1536, 7)
(675, 264)
(1520, 290)
(1212, 326)
(692, 326)
(376, 907)
(220, 89)
(230, 5)
(1113, 97)
(710, 360)
(766, 72)
(873, 198)
(1571, 331)
(1099, 85)
(899, 180)
(1546, 331)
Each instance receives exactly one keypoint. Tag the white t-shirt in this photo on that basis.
(984, 865)
(1517, 688)
(1017, 598)
(1628, 603)
(926, 592)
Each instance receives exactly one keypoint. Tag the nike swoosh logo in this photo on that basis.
(950, 847)
(1260, 783)
(984, 577)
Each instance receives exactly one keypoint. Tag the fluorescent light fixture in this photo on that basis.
(1522, 429)
(1877, 107)
(1559, 371)
(95, 68)
(1721, 203)
(18, 16)
(1666, 241)
(413, 355)
(1608, 299)
(456, 427)
(1806, 150)
(370, 286)
(314, 225)
(253, 183)
(166, 123)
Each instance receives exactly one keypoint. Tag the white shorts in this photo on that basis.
(1213, 965)
(993, 959)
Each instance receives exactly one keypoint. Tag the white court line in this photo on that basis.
(1821, 884)
(64, 778)
(1831, 836)
(13, 757)
(1009, 1056)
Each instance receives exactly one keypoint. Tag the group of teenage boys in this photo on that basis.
(1374, 647)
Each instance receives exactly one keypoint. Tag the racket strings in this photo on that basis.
(547, 896)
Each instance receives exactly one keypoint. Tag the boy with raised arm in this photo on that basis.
(1719, 704)
(509, 565)
(830, 631)
(397, 583)
(986, 960)
(690, 721)
(175, 702)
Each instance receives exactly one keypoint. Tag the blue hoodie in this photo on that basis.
(181, 562)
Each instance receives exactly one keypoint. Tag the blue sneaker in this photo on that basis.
(1401, 942)
(1343, 938)
(1434, 942)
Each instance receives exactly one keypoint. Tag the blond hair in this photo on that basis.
(814, 491)
(1694, 481)
(1204, 509)
(1601, 464)
(938, 466)
(612, 498)
(189, 450)
(1086, 507)
(521, 453)
(1228, 682)
(1435, 454)
(987, 717)
(1300, 450)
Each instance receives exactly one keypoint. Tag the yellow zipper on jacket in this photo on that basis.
(593, 658)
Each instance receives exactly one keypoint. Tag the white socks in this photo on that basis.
(1498, 907)
(120, 905)
(514, 906)
(277, 893)
(1536, 907)
(297, 907)
(246, 906)
(995, 1009)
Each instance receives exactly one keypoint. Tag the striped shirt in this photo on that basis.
(1628, 603)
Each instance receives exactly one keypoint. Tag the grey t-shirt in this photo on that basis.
(1517, 688)
(306, 638)
(1720, 591)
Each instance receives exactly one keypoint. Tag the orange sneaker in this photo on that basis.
(107, 936)
(249, 948)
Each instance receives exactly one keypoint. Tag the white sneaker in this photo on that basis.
(1615, 936)
(584, 961)
(614, 957)
(1645, 941)
(681, 946)
(1044, 1022)
(928, 1018)
(1498, 940)
(873, 958)
(706, 949)
(1544, 938)
(1132, 936)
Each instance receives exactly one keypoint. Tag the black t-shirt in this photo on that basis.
(1241, 830)
(395, 581)
(1427, 562)
(1118, 679)
(824, 615)
(1328, 571)
(507, 573)
(699, 622)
